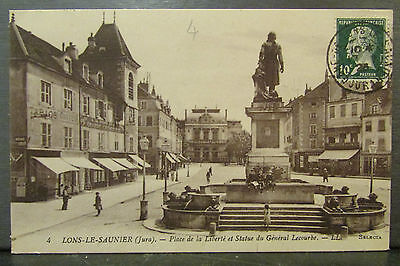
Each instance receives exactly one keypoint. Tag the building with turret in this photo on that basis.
(73, 117)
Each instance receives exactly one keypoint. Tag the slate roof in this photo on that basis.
(109, 37)
(37, 49)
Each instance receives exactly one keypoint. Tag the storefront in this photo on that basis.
(340, 162)
(49, 175)
(131, 173)
(88, 171)
(382, 164)
(114, 172)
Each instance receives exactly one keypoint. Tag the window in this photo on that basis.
(331, 140)
(367, 143)
(68, 137)
(131, 144)
(368, 126)
(68, 65)
(313, 143)
(354, 137)
(206, 134)
(313, 115)
(139, 120)
(116, 143)
(100, 110)
(343, 110)
(101, 141)
(381, 125)
(45, 92)
(381, 144)
(85, 144)
(331, 111)
(313, 129)
(85, 70)
(354, 109)
(150, 138)
(100, 79)
(342, 137)
(149, 121)
(196, 133)
(313, 104)
(143, 105)
(68, 99)
(215, 134)
(86, 105)
(46, 134)
(130, 86)
(131, 115)
(374, 109)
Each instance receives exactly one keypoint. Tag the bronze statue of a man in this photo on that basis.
(270, 61)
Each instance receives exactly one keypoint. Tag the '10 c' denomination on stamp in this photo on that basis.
(360, 55)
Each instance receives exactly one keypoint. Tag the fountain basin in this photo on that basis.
(357, 221)
(191, 219)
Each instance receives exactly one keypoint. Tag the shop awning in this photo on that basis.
(124, 162)
(183, 158)
(110, 164)
(169, 158)
(313, 158)
(337, 154)
(81, 162)
(175, 157)
(56, 164)
(138, 160)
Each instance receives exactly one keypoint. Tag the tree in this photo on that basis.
(238, 146)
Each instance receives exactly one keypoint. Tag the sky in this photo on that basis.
(213, 67)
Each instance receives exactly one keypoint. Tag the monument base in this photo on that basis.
(268, 159)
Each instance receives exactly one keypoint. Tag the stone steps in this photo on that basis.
(284, 217)
(316, 229)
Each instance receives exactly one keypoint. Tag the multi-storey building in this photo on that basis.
(206, 135)
(376, 128)
(157, 123)
(70, 115)
(304, 137)
(342, 131)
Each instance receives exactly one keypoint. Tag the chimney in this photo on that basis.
(72, 51)
(91, 41)
(226, 114)
(63, 46)
(185, 114)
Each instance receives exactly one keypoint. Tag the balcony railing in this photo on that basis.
(342, 145)
(206, 141)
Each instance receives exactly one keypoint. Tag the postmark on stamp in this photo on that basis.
(359, 55)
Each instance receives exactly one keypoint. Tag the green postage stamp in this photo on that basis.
(361, 53)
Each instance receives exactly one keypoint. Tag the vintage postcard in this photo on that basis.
(135, 131)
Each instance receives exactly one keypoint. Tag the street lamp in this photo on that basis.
(372, 150)
(144, 146)
(164, 146)
(188, 165)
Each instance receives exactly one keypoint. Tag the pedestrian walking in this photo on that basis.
(66, 197)
(210, 170)
(325, 175)
(208, 177)
(97, 203)
(267, 216)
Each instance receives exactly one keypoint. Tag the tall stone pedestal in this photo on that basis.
(268, 119)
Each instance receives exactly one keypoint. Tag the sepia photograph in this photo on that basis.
(195, 130)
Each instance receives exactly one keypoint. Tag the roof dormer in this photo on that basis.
(85, 72)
